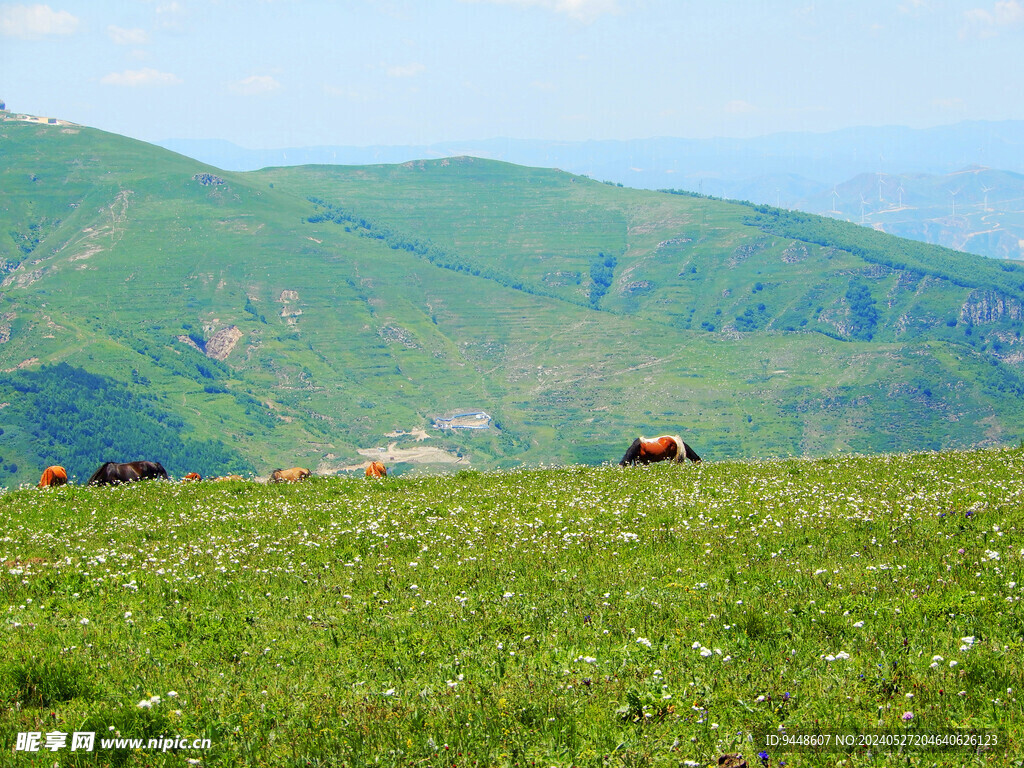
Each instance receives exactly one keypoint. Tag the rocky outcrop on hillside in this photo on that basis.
(795, 253)
(22, 278)
(989, 306)
(190, 342)
(219, 345)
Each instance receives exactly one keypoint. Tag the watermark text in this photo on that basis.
(86, 741)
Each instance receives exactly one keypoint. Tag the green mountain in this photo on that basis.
(323, 315)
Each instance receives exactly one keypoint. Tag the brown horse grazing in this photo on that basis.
(646, 450)
(52, 476)
(228, 477)
(292, 475)
(191, 477)
(376, 469)
(112, 473)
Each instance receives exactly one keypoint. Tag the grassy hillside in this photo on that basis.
(657, 616)
(302, 315)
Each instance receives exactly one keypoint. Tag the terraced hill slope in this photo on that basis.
(324, 315)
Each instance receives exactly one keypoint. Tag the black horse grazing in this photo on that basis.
(113, 473)
(646, 450)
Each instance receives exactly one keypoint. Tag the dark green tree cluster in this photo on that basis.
(752, 318)
(251, 309)
(602, 271)
(863, 315)
(80, 420)
(687, 193)
(28, 240)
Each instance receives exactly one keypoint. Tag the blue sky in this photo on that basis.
(278, 73)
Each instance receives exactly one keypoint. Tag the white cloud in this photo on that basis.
(256, 85)
(121, 36)
(34, 21)
(171, 16)
(987, 22)
(135, 78)
(1009, 13)
(581, 10)
(409, 70)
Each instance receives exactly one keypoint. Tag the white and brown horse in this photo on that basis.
(646, 450)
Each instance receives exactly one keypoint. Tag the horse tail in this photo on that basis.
(632, 454)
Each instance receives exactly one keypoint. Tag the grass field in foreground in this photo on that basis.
(657, 616)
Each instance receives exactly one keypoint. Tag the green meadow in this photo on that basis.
(575, 616)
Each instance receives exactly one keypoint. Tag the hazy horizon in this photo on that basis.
(307, 73)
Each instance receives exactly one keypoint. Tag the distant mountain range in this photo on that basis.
(977, 210)
(152, 306)
(798, 171)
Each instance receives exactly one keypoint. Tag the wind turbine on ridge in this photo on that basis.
(881, 160)
(986, 190)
